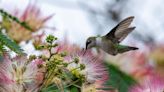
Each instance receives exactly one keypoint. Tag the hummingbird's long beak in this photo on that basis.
(85, 49)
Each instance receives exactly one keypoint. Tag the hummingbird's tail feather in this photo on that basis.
(123, 49)
(133, 48)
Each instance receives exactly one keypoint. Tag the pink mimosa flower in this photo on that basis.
(95, 73)
(19, 74)
(151, 84)
(33, 17)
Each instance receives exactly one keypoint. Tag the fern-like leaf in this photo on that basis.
(13, 18)
(10, 44)
(118, 79)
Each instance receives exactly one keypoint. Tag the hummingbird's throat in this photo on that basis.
(98, 40)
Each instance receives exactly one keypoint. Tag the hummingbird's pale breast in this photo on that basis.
(98, 41)
(106, 45)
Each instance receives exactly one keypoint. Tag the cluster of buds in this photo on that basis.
(56, 68)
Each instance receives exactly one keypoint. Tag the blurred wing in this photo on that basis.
(120, 36)
(122, 26)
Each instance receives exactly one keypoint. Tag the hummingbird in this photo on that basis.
(110, 43)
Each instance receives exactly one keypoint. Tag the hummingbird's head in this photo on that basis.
(91, 42)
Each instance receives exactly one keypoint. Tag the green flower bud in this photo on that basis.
(50, 39)
(40, 47)
(76, 60)
(54, 45)
(32, 57)
(82, 66)
(63, 54)
(65, 64)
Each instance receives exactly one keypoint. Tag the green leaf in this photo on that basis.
(52, 88)
(74, 89)
(118, 79)
(2, 50)
(13, 18)
(10, 44)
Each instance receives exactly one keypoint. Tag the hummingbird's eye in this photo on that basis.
(89, 41)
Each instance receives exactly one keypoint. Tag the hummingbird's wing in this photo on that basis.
(123, 34)
(120, 31)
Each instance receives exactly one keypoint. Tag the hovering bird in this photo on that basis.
(110, 43)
